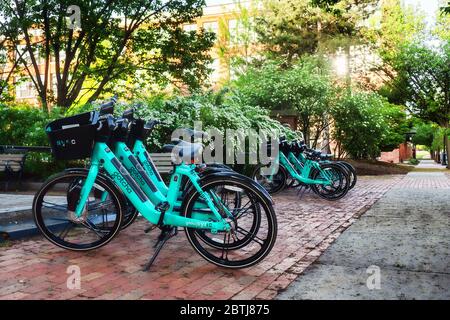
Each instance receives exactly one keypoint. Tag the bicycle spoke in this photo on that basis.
(99, 205)
(253, 236)
(55, 206)
(240, 214)
(66, 230)
(91, 226)
(226, 241)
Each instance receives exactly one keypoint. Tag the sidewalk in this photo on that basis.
(406, 235)
(430, 164)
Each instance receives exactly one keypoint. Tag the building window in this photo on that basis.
(190, 27)
(215, 73)
(212, 26)
(233, 31)
(3, 57)
(25, 89)
(26, 56)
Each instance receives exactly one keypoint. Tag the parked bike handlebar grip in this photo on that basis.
(107, 108)
(152, 123)
(111, 123)
(128, 114)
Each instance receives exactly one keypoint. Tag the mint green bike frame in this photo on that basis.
(147, 177)
(301, 171)
(102, 156)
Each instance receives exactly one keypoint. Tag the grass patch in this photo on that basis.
(421, 154)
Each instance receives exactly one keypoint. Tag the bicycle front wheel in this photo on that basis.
(53, 212)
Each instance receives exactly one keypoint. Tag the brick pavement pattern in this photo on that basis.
(36, 269)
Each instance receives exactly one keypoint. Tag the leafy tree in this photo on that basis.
(304, 88)
(397, 125)
(115, 40)
(423, 77)
(359, 125)
(424, 134)
(289, 29)
(397, 26)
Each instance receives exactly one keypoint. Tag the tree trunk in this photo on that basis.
(446, 148)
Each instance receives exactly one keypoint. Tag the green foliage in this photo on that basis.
(117, 42)
(397, 25)
(396, 124)
(413, 161)
(360, 125)
(423, 76)
(304, 88)
(424, 134)
(438, 140)
(209, 109)
(289, 29)
(23, 125)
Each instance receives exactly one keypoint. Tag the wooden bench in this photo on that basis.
(12, 160)
(12, 163)
(162, 161)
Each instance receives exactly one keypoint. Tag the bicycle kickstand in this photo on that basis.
(301, 191)
(166, 234)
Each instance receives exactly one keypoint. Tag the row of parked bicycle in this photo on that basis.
(300, 166)
(228, 218)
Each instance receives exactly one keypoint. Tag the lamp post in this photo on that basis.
(409, 138)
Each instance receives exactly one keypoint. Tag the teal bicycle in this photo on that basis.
(328, 180)
(82, 210)
(322, 158)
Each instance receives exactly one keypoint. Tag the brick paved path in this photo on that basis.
(36, 269)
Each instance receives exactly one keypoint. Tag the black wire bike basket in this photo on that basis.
(72, 137)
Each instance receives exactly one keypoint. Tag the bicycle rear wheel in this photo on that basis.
(352, 173)
(53, 212)
(254, 226)
(339, 181)
(272, 183)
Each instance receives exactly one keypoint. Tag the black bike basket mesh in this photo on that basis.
(72, 137)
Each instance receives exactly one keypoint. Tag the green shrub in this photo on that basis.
(413, 161)
(181, 112)
(23, 125)
(359, 124)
